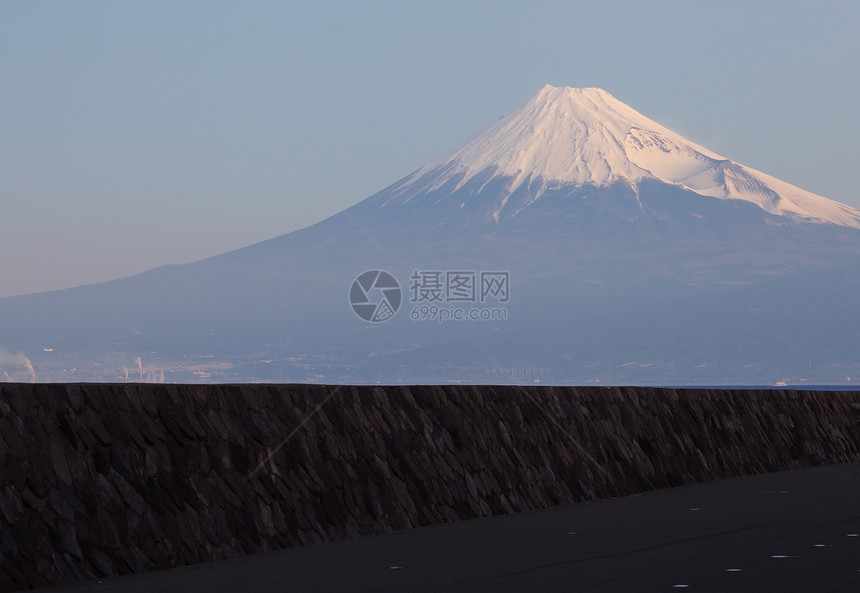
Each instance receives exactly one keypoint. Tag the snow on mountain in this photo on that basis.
(571, 136)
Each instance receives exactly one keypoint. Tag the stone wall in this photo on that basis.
(100, 479)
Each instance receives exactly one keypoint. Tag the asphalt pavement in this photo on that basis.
(786, 532)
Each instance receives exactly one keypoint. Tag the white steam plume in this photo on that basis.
(154, 376)
(139, 366)
(8, 359)
(31, 369)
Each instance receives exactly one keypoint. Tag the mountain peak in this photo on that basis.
(560, 135)
(550, 93)
(564, 136)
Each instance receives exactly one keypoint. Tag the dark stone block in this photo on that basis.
(102, 563)
(119, 462)
(12, 433)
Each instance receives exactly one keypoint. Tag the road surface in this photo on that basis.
(789, 531)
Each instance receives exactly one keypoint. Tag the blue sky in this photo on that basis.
(137, 135)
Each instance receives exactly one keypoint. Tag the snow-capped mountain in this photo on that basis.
(632, 255)
(586, 137)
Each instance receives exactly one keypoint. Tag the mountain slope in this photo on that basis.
(633, 255)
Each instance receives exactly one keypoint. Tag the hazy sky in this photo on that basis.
(136, 135)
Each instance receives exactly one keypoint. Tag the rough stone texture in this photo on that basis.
(100, 479)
